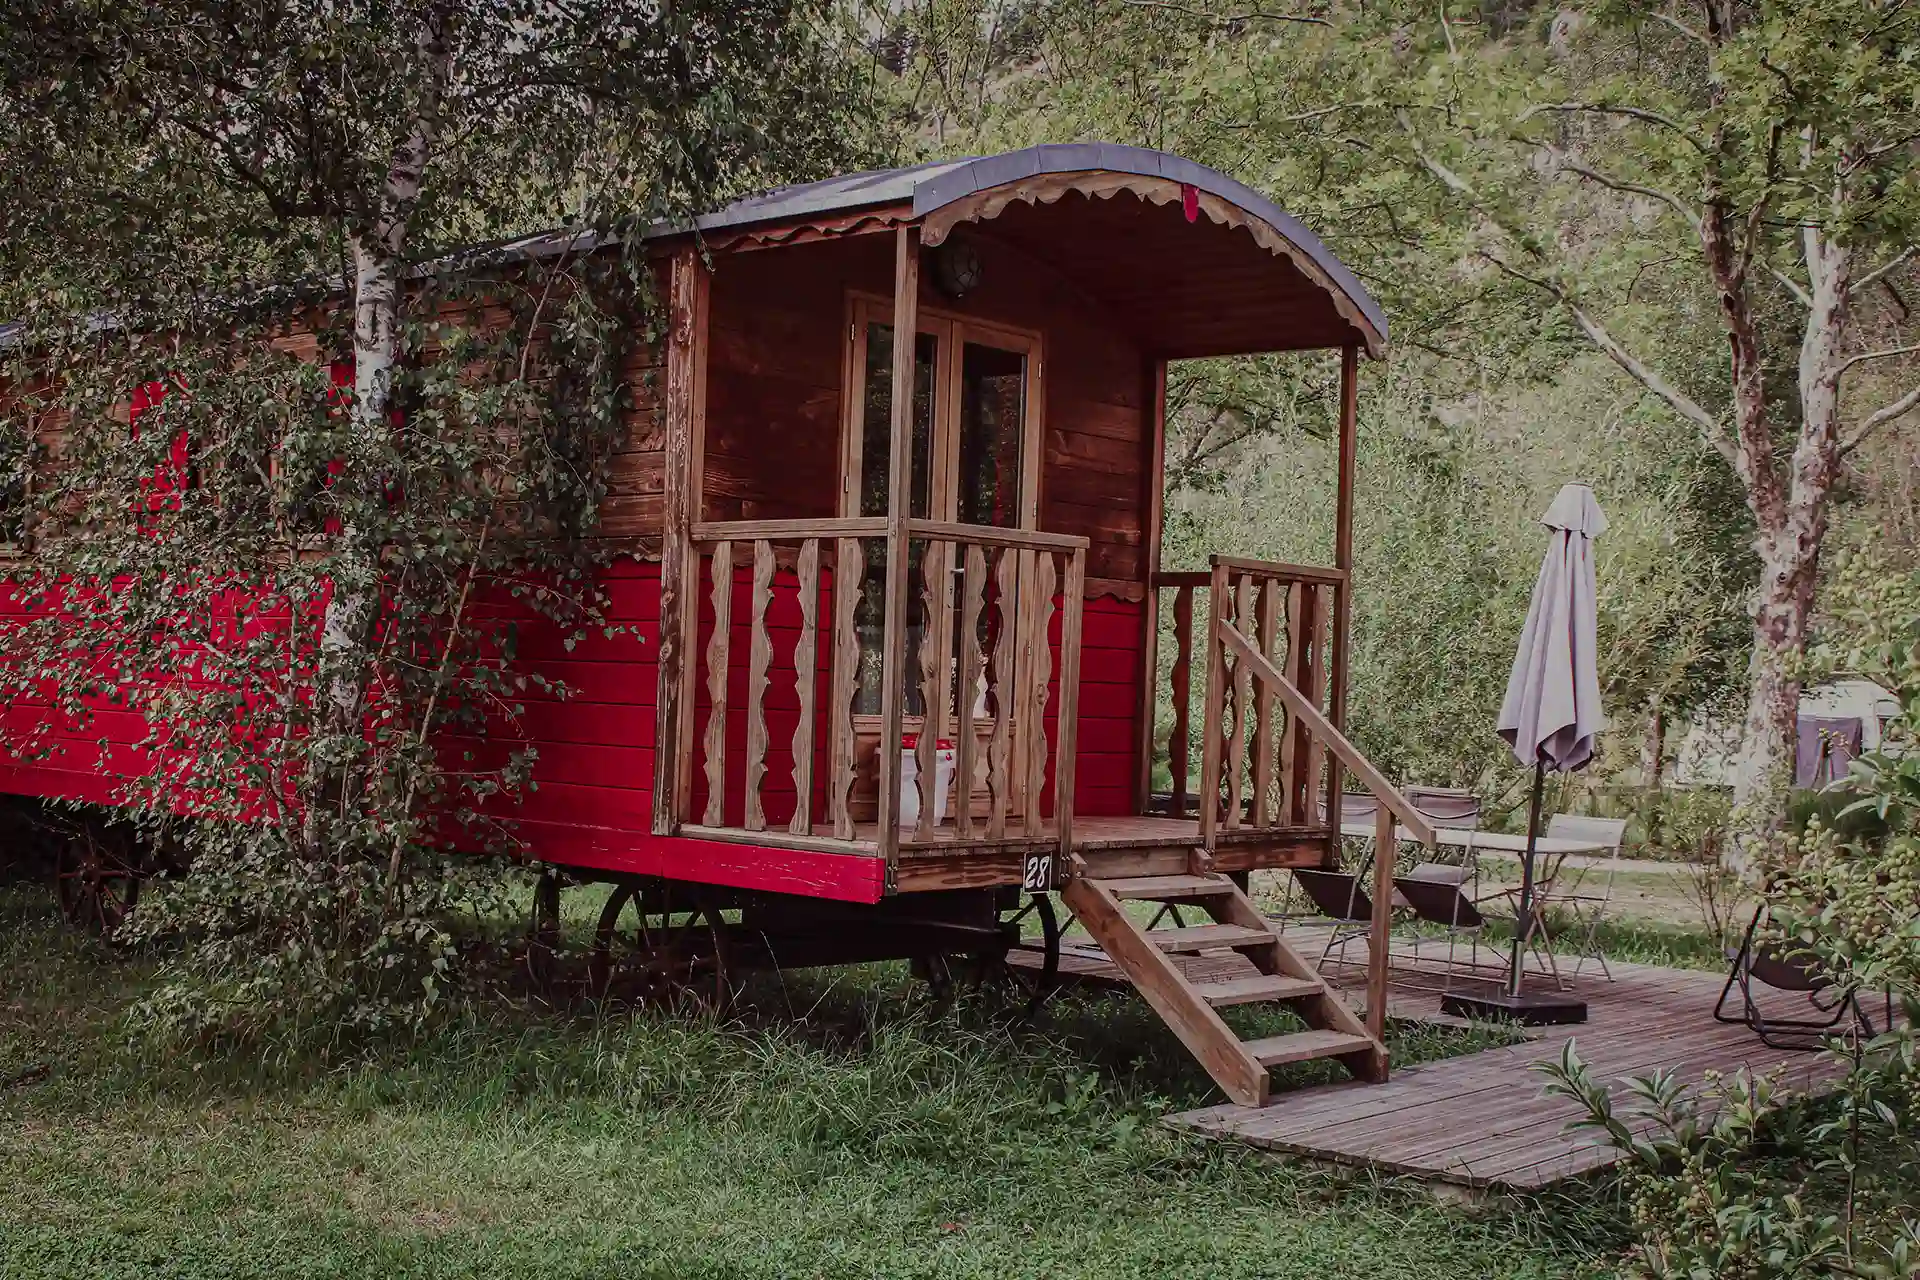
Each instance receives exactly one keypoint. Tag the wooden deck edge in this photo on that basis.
(1578, 1161)
(929, 868)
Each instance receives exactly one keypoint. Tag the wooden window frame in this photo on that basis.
(952, 330)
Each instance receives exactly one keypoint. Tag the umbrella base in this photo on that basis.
(1529, 1010)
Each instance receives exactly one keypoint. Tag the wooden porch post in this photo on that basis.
(893, 666)
(1155, 478)
(1380, 927)
(1343, 591)
(685, 422)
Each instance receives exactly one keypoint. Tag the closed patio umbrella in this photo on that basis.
(1551, 714)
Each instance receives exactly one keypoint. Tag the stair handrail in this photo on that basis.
(1389, 796)
(1393, 805)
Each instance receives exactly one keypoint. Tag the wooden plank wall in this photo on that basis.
(774, 404)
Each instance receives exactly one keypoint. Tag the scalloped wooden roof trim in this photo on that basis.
(813, 229)
(1049, 188)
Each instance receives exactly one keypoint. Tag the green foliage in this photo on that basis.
(1489, 400)
(1749, 1179)
(1745, 1180)
(194, 148)
(182, 569)
(287, 598)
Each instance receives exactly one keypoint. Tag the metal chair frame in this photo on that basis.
(1753, 963)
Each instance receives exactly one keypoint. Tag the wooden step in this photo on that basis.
(1209, 937)
(1168, 888)
(1150, 960)
(1302, 1046)
(1256, 988)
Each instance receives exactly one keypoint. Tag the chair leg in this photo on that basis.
(1738, 974)
(1593, 946)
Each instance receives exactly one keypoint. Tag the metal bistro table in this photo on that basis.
(1554, 848)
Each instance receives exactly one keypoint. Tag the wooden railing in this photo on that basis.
(981, 604)
(1008, 581)
(1262, 781)
(1302, 718)
(764, 548)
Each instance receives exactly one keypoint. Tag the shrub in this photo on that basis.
(1743, 1179)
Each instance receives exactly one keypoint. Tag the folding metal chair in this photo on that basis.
(1585, 891)
(1456, 809)
(1355, 807)
(1339, 897)
(1445, 905)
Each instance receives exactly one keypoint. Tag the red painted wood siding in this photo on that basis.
(595, 749)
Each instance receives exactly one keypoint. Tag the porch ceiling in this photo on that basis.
(1182, 288)
(1191, 261)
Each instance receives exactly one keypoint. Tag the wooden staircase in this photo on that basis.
(1147, 957)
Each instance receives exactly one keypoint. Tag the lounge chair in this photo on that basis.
(1833, 1003)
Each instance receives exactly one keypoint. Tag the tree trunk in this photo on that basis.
(378, 244)
(1653, 747)
(1792, 529)
(1653, 768)
(1763, 777)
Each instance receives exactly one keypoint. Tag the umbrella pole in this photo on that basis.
(1523, 927)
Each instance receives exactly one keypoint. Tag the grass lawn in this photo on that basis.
(835, 1128)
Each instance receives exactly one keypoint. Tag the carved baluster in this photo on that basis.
(1181, 681)
(805, 660)
(1265, 641)
(1315, 689)
(934, 586)
(849, 572)
(717, 652)
(1213, 707)
(967, 685)
(759, 659)
(1039, 672)
(1291, 732)
(1237, 720)
(1005, 663)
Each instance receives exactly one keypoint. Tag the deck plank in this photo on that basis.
(1483, 1119)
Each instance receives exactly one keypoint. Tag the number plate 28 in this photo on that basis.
(1037, 875)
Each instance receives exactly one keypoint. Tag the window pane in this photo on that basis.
(876, 453)
(993, 402)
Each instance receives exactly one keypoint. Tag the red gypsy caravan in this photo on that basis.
(892, 522)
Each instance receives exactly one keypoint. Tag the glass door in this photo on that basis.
(871, 480)
(975, 459)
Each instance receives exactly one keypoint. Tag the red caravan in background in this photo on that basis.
(896, 476)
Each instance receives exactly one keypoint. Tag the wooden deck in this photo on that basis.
(1098, 833)
(1482, 1120)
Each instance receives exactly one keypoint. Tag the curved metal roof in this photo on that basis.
(935, 185)
(932, 186)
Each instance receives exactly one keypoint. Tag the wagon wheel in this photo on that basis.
(937, 970)
(650, 947)
(543, 933)
(97, 879)
(1029, 985)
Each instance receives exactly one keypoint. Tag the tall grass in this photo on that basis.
(837, 1125)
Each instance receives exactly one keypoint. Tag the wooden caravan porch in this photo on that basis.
(912, 457)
